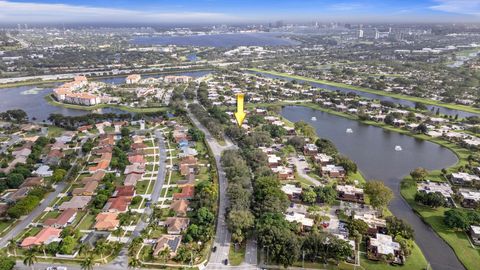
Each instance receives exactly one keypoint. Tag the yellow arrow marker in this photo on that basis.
(240, 114)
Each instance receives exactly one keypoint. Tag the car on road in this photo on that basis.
(225, 262)
(56, 268)
(214, 249)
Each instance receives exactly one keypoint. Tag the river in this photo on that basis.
(372, 148)
(403, 102)
(31, 98)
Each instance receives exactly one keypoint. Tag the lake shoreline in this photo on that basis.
(450, 106)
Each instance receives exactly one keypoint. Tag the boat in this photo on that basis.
(349, 130)
(314, 118)
(398, 148)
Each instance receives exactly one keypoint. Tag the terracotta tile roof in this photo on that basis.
(136, 159)
(45, 235)
(180, 207)
(127, 191)
(118, 204)
(88, 189)
(187, 192)
(106, 221)
(97, 176)
(175, 225)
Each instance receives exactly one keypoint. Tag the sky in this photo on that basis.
(237, 11)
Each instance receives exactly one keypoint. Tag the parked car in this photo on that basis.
(214, 249)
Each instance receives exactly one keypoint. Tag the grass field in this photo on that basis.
(372, 91)
(236, 257)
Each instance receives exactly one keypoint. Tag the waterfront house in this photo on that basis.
(462, 178)
(310, 149)
(469, 197)
(350, 193)
(383, 245)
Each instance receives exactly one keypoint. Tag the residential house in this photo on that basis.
(53, 157)
(332, 171)
(87, 190)
(117, 204)
(310, 149)
(322, 159)
(374, 223)
(187, 165)
(106, 221)
(293, 192)
(97, 177)
(170, 242)
(307, 223)
(469, 197)
(65, 218)
(462, 178)
(383, 245)
(176, 225)
(350, 193)
(77, 202)
(180, 207)
(43, 171)
(18, 194)
(188, 191)
(32, 182)
(475, 234)
(131, 179)
(45, 236)
(124, 191)
(284, 173)
(441, 188)
(135, 168)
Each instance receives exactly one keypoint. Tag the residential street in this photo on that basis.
(35, 213)
(122, 259)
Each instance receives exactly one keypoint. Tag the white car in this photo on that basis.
(56, 268)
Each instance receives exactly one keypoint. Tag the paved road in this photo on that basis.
(222, 235)
(36, 212)
(301, 166)
(121, 261)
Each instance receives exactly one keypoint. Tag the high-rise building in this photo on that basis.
(360, 33)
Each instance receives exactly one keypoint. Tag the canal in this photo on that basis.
(406, 103)
(373, 149)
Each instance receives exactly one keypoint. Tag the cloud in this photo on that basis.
(15, 12)
(469, 7)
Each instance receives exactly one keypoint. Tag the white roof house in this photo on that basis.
(43, 171)
(384, 244)
(300, 218)
(291, 189)
(436, 187)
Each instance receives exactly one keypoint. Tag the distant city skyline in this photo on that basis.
(237, 11)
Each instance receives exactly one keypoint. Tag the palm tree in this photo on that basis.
(12, 244)
(87, 263)
(30, 258)
(134, 263)
(43, 248)
(101, 247)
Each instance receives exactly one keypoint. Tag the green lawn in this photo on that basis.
(416, 261)
(434, 217)
(378, 92)
(54, 131)
(236, 257)
(87, 222)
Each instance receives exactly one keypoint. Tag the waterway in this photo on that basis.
(402, 102)
(373, 149)
(31, 98)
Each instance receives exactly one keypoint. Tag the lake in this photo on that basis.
(31, 98)
(373, 149)
(403, 102)
(218, 40)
